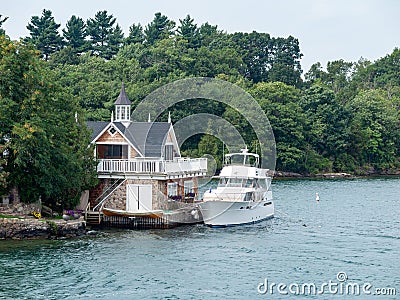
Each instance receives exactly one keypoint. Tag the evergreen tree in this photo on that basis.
(75, 34)
(2, 20)
(189, 31)
(104, 34)
(44, 33)
(136, 34)
(160, 28)
(208, 34)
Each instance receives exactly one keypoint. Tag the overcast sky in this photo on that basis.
(327, 29)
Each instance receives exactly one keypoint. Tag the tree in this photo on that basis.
(136, 34)
(44, 33)
(374, 130)
(269, 59)
(75, 34)
(45, 147)
(325, 130)
(189, 31)
(158, 29)
(208, 34)
(281, 105)
(2, 20)
(104, 34)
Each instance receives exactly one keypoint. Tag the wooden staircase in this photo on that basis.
(93, 218)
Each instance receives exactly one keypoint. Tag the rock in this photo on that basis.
(14, 228)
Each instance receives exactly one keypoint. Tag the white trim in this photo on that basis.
(174, 142)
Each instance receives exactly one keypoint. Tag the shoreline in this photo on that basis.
(22, 228)
(332, 175)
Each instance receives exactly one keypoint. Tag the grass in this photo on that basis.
(8, 217)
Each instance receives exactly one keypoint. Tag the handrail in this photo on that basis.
(152, 166)
(107, 195)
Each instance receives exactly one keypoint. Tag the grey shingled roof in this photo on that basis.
(97, 127)
(123, 97)
(148, 138)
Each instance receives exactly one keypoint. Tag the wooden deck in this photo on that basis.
(168, 220)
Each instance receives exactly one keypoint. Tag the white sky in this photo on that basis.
(327, 29)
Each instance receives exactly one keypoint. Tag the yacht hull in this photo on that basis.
(231, 213)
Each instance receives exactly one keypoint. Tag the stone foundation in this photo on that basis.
(15, 228)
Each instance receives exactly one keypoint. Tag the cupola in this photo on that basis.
(123, 108)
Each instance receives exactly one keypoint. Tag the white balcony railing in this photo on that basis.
(148, 166)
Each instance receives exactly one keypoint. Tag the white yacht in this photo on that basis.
(243, 195)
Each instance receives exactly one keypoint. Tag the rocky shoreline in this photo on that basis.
(29, 228)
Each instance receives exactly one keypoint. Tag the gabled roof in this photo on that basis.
(97, 128)
(123, 97)
(148, 138)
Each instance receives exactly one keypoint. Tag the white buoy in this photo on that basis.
(316, 197)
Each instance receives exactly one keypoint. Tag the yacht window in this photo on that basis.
(235, 182)
(263, 183)
(223, 181)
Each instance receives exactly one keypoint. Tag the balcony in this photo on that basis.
(178, 167)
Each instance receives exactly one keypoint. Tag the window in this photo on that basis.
(188, 186)
(169, 152)
(127, 113)
(112, 151)
(172, 189)
(118, 113)
(112, 131)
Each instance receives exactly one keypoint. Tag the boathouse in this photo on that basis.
(140, 168)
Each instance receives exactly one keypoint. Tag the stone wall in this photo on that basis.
(15, 228)
(118, 199)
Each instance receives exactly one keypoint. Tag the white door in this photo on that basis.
(139, 197)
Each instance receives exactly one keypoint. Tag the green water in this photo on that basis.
(355, 228)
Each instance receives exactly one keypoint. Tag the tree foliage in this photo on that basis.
(2, 20)
(44, 146)
(341, 117)
(75, 34)
(104, 34)
(158, 29)
(44, 33)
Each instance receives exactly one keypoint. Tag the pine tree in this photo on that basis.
(160, 28)
(44, 33)
(75, 34)
(189, 31)
(105, 35)
(136, 34)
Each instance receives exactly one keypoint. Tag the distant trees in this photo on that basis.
(269, 59)
(340, 117)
